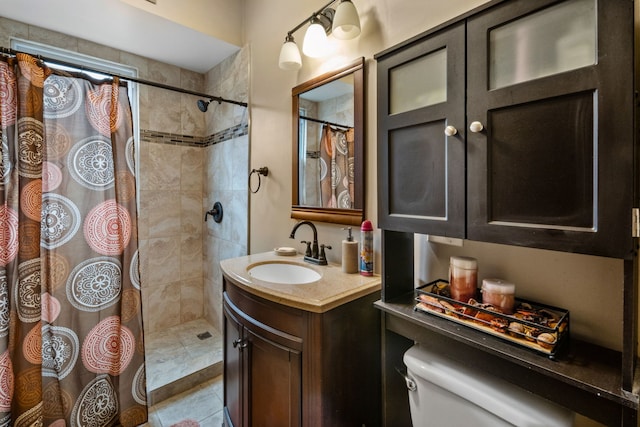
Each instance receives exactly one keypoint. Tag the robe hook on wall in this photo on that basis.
(262, 171)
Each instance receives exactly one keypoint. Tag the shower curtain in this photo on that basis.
(336, 171)
(71, 343)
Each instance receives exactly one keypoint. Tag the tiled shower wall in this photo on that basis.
(184, 171)
(170, 222)
(226, 176)
(178, 148)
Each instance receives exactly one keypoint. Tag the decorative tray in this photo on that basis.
(539, 327)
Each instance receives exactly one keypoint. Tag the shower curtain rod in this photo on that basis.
(325, 122)
(10, 52)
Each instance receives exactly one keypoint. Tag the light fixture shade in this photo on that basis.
(346, 22)
(315, 41)
(290, 58)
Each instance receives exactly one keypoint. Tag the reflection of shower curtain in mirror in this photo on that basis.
(336, 172)
(71, 344)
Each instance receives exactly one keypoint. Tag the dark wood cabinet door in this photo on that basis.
(552, 166)
(233, 352)
(262, 365)
(421, 182)
(275, 383)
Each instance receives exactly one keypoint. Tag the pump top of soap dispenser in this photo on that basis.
(349, 235)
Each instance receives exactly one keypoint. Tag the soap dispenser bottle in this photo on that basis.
(349, 253)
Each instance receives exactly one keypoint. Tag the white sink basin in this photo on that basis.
(284, 273)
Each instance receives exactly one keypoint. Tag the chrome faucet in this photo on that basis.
(313, 253)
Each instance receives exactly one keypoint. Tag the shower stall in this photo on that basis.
(184, 170)
(188, 159)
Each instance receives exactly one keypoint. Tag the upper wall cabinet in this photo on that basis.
(421, 168)
(524, 138)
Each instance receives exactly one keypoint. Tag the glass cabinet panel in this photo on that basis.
(419, 83)
(557, 39)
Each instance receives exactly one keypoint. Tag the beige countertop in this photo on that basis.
(333, 289)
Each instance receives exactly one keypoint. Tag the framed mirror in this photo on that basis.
(328, 147)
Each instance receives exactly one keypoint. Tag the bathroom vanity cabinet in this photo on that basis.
(285, 366)
(513, 124)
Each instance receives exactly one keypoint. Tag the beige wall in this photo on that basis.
(578, 283)
(384, 23)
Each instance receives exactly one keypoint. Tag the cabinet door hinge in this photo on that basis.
(635, 222)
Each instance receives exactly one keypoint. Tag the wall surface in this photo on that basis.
(384, 23)
(578, 283)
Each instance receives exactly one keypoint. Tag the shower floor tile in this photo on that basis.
(177, 360)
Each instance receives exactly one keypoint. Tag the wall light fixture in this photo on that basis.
(344, 22)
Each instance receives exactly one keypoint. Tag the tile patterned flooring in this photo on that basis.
(203, 403)
(184, 375)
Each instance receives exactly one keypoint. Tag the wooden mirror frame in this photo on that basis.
(333, 215)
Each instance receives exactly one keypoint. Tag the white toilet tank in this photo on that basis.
(449, 394)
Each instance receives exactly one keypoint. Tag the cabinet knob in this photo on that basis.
(239, 343)
(450, 131)
(476, 127)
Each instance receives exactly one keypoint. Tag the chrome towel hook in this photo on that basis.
(216, 212)
(262, 171)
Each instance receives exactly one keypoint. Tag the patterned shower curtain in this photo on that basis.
(71, 343)
(337, 168)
